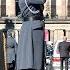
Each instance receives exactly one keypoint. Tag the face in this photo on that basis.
(65, 38)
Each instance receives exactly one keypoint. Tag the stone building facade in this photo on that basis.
(60, 8)
(58, 24)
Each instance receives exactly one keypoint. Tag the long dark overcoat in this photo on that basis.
(30, 45)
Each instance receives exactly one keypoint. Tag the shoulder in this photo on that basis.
(60, 43)
(68, 43)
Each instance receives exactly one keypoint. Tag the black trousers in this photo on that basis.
(11, 66)
(66, 63)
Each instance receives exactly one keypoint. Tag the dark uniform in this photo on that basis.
(30, 45)
(11, 50)
(64, 53)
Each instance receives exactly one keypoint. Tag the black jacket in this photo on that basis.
(64, 48)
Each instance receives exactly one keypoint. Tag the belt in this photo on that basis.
(32, 18)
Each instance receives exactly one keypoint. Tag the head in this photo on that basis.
(65, 38)
(10, 32)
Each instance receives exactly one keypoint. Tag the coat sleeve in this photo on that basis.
(69, 47)
(37, 1)
(59, 47)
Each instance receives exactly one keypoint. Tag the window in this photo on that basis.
(64, 32)
(68, 8)
(17, 8)
(3, 7)
(49, 35)
(53, 8)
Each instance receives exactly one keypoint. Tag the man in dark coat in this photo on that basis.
(64, 52)
(30, 45)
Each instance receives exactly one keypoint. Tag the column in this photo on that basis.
(55, 35)
(68, 8)
(50, 8)
(61, 8)
(58, 35)
(68, 34)
(3, 8)
(10, 8)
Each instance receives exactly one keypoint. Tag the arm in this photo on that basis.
(69, 47)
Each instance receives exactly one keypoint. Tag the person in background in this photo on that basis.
(30, 45)
(64, 48)
(11, 50)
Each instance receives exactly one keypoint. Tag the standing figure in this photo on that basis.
(11, 50)
(64, 52)
(30, 45)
